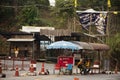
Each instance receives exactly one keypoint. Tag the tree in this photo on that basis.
(30, 14)
(27, 15)
(64, 13)
(95, 4)
(6, 15)
(114, 43)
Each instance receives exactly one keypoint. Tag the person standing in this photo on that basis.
(87, 64)
(16, 50)
(80, 65)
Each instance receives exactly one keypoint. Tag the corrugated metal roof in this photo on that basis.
(91, 46)
(98, 46)
(18, 39)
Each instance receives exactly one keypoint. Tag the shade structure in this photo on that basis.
(64, 45)
(98, 46)
(92, 46)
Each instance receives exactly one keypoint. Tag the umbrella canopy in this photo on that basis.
(85, 45)
(63, 45)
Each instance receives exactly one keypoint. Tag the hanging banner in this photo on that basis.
(91, 17)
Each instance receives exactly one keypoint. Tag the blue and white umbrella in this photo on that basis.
(64, 45)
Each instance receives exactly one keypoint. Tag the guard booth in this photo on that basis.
(22, 45)
(27, 45)
(27, 42)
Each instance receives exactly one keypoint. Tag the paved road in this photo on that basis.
(50, 67)
(63, 77)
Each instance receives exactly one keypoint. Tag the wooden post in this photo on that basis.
(13, 67)
(22, 67)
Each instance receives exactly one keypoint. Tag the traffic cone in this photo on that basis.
(75, 78)
(2, 75)
(31, 68)
(33, 62)
(0, 68)
(42, 69)
(16, 71)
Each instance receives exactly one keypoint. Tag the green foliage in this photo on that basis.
(26, 12)
(114, 43)
(95, 4)
(6, 15)
(115, 5)
(28, 15)
(64, 11)
(65, 8)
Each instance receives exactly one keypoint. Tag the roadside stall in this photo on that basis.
(65, 58)
(61, 48)
(67, 51)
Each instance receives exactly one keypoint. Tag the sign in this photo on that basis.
(65, 60)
